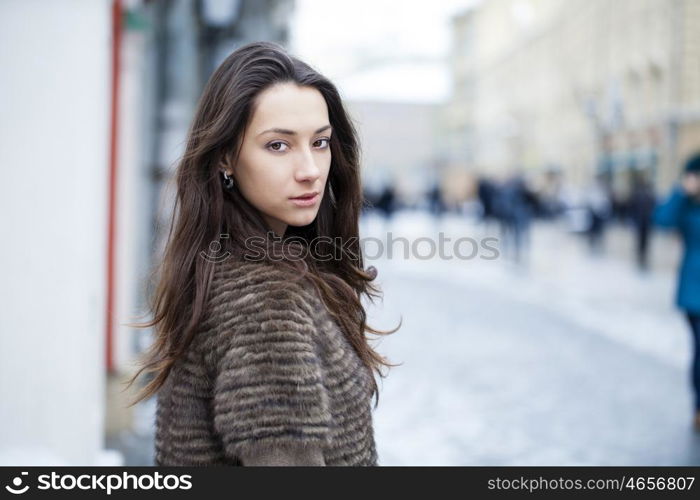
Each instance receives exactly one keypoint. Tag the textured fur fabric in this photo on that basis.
(269, 369)
(310, 456)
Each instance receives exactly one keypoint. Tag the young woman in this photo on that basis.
(260, 356)
(681, 211)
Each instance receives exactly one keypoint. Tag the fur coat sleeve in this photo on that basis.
(270, 404)
(284, 456)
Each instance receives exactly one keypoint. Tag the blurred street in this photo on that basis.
(572, 362)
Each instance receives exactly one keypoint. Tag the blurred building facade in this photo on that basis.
(399, 146)
(591, 86)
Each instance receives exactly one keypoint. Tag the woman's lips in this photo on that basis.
(305, 201)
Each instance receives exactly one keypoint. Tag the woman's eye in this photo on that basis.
(276, 146)
(279, 147)
(324, 140)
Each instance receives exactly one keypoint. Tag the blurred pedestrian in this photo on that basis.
(487, 192)
(640, 208)
(599, 206)
(385, 203)
(435, 201)
(514, 211)
(681, 212)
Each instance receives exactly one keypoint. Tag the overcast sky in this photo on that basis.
(378, 49)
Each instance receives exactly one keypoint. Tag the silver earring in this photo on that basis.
(228, 181)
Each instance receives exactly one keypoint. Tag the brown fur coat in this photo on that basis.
(268, 379)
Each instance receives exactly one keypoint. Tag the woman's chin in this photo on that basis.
(301, 220)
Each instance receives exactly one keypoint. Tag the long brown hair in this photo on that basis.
(204, 211)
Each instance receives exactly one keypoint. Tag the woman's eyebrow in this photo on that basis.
(291, 132)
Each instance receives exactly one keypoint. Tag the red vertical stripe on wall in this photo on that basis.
(112, 210)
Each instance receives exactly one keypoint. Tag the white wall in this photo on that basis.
(54, 130)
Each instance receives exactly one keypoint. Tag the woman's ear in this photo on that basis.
(225, 164)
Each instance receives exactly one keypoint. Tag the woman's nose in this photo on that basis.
(308, 168)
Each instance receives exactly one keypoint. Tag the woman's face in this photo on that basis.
(285, 154)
